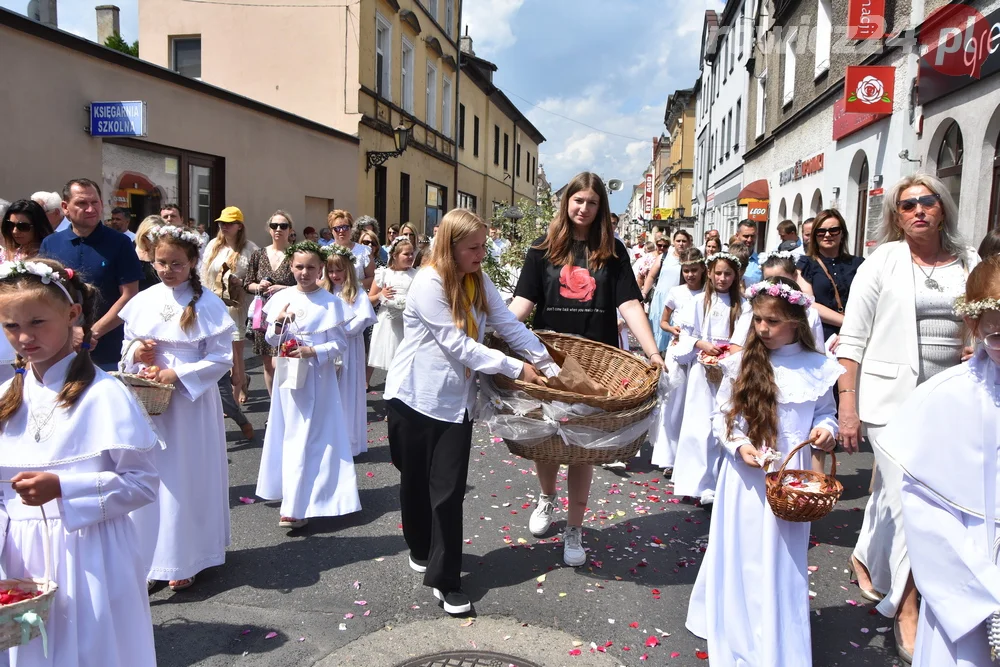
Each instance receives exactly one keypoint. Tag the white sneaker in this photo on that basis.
(541, 518)
(573, 553)
(708, 497)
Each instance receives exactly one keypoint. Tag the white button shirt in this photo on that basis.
(434, 368)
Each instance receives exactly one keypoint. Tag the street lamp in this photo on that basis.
(401, 138)
(680, 211)
(513, 213)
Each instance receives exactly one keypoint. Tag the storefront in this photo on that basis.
(722, 211)
(197, 146)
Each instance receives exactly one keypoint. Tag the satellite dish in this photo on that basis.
(614, 185)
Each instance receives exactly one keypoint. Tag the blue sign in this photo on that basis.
(117, 119)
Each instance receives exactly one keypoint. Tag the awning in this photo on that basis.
(755, 192)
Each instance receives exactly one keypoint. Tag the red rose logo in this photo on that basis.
(576, 283)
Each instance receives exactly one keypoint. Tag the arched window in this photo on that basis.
(861, 213)
(949, 161)
(782, 210)
(797, 209)
(817, 203)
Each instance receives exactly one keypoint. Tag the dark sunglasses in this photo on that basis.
(369, 243)
(22, 226)
(662, 245)
(341, 228)
(829, 231)
(926, 201)
(279, 225)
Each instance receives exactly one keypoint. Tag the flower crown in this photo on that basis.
(780, 290)
(725, 255)
(973, 309)
(340, 251)
(177, 232)
(43, 271)
(779, 254)
(399, 239)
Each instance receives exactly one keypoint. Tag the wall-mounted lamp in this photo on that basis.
(905, 155)
(401, 136)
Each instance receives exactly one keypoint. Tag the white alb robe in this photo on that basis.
(388, 331)
(100, 449)
(187, 529)
(307, 461)
(351, 380)
(751, 597)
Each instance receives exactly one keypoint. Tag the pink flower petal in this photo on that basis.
(247, 501)
(271, 635)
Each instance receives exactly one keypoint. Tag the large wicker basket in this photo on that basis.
(154, 396)
(630, 381)
(23, 621)
(792, 504)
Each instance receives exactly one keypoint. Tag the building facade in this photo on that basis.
(678, 178)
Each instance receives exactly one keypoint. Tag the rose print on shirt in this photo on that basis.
(575, 282)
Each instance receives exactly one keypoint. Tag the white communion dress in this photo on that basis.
(307, 461)
(187, 529)
(352, 382)
(100, 449)
(751, 597)
(388, 330)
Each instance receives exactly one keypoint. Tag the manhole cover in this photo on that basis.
(468, 659)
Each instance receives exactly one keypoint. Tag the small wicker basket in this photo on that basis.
(23, 621)
(154, 396)
(712, 371)
(799, 505)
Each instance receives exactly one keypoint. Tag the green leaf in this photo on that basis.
(852, 98)
(886, 99)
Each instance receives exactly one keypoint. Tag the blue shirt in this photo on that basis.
(106, 259)
(753, 274)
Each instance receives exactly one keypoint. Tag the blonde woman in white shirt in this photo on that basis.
(431, 391)
(899, 330)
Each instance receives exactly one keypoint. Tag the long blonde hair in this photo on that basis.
(143, 243)
(455, 227)
(349, 292)
(220, 243)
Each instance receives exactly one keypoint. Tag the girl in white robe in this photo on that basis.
(390, 288)
(307, 461)
(87, 464)
(751, 597)
(179, 334)
(351, 380)
(946, 439)
(706, 324)
(667, 426)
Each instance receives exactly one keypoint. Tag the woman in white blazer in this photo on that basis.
(899, 330)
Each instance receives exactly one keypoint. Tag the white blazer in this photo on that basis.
(880, 330)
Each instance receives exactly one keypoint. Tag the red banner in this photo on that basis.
(846, 124)
(869, 89)
(647, 205)
(865, 19)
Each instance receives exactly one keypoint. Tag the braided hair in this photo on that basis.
(190, 249)
(82, 371)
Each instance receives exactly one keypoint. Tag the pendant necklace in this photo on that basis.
(929, 281)
(40, 425)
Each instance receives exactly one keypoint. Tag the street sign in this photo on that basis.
(647, 203)
(117, 119)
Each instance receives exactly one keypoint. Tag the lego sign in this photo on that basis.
(869, 89)
(757, 211)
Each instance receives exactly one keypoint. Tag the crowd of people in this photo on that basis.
(760, 352)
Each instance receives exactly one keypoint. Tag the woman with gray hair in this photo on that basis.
(899, 330)
(367, 223)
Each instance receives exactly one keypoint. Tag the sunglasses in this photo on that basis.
(279, 225)
(661, 245)
(340, 229)
(829, 231)
(23, 226)
(369, 243)
(927, 201)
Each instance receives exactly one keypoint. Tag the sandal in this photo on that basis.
(288, 522)
(181, 584)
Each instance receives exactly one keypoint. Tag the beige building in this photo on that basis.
(678, 175)
(365, 68)
(199, 146)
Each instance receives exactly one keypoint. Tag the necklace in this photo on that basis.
(929, 281)
(41, 425)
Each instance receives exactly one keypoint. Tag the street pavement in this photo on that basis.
(340, 592)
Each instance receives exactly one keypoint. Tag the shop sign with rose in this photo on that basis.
(869, 89)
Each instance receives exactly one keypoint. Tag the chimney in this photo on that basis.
(44, 11)
(465, 43)
(107, 23)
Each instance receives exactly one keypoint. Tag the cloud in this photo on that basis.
(489, 23)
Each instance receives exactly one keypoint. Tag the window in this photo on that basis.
(404, 197)
(517, 161)
(406, 76)
(435, 206)
(187, 56)
(506, 151)
(496, 144)
(738, 130)
(432, 7)
(449, 17)
(475, 136)
(761, 103)
(722, 135)
(527, 166)
(824, 33)
(729, 135)
(742, 19)
(466, 200)
(446, 106)
(383, 57)
(461, 126)
(950, 159)
(994, 219)
(732, 54)
(725, 59)
(788, 85)
(432, 84)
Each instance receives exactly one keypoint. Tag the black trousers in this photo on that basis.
(432, 457)
(230, 407)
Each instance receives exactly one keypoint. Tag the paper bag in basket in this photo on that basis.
(571, 376)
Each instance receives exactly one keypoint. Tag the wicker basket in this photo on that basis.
(712, 371)
(630, 381)
(798, 505)
(154, 396)
(554, 450)
(23, 621)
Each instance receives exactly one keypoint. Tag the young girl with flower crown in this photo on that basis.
(390, 287)
(76, 446)
(180, 334)
(343, 281)
(306, 462)
(751, 597)
(946, 439)
(666, 429)
(707, 325)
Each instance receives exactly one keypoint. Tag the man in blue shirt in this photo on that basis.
(747, 231)
(105, 258)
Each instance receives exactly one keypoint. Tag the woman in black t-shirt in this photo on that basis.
(576, 276)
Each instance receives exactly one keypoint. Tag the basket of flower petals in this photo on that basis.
(803, 495)
(154, 396)
(711, 362)
(25, 604)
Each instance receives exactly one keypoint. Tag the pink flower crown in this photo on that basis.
(782, 291)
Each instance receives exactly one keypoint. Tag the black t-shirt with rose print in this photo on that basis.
(577, 300)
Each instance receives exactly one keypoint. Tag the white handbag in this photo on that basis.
(289, 372)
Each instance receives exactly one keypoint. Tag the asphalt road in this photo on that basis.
(340, 591)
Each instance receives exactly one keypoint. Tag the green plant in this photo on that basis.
(521, 225)
(116, 42)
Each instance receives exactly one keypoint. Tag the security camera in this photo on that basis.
(904, 154)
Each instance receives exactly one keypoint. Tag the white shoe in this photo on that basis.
(541, 518)
(418, 565)
(454, 602)
(573, 553)
(708, 497)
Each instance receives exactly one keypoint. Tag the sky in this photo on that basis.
(607, 64)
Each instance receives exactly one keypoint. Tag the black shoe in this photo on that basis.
(455, 602)
(418, 565)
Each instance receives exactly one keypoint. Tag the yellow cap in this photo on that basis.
(230, 214)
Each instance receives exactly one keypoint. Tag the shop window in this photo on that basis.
(186, 56)
(994, 220)
(406, 76)
(436, 205)
(383, 57)
(404, 198)
(949, 161)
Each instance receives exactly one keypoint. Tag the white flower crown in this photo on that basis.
(43, 271)
(780, 290)
(725, 255)
(973, 309)
(781, 254)
(177, 233)
(341, 251)
(400, 239)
